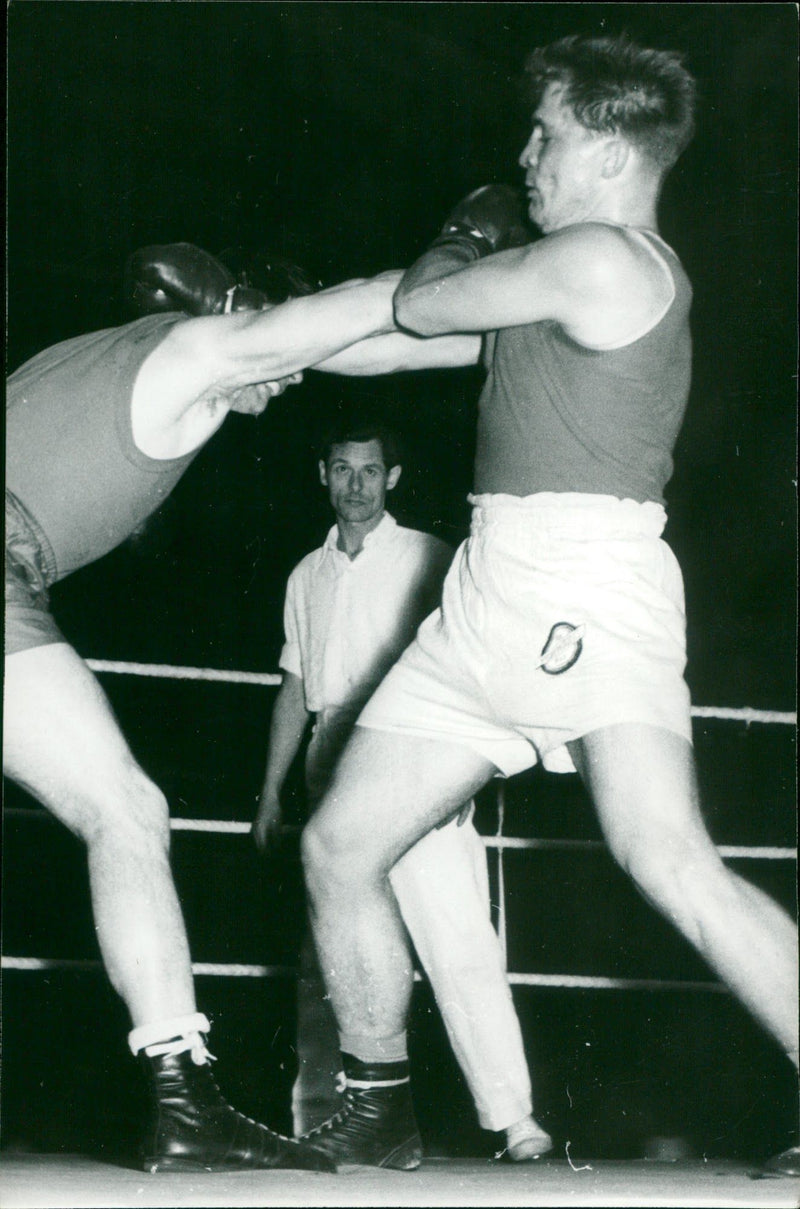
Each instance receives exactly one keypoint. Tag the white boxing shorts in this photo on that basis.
(561, 614)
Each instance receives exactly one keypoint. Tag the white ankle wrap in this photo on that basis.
(366, 1084)
(174, 1036)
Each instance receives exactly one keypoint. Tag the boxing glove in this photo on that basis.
(181, 277)
(278, 278)
(491, 219)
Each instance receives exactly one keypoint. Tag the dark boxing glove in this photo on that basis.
(491, 219)
(181, 277)
(278, 278)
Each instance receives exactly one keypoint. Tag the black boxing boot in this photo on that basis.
(786, 1164)
(376, 1126)
(192, 1128)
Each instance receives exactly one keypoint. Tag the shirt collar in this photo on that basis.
(377, 536)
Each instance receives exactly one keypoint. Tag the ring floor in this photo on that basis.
(75, 1182)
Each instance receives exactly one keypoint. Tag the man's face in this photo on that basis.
(357, 480)
(562, 162)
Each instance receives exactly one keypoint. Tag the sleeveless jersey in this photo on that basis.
(555, 415)
(70, 454)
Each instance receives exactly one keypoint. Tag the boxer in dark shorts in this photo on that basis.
(100, 428)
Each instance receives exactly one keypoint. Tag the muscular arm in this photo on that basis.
(401, 351)
(183, 391)
(230, 351)
(346, 313)
(287, 727)
(590, 278)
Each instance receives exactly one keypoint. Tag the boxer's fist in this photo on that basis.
(492, 219)
(181, 277)
(252, 400)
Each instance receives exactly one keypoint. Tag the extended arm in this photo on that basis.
(205, 366)
(230, 351)
(287, 727)
(401, 351)
(348, 329)
(182, 277)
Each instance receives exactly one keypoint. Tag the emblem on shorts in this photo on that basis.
(562, 649)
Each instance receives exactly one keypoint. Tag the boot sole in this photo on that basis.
(155, 1165)
(406, 1157)
(152, 1166)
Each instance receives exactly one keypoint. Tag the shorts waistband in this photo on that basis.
(25, 538)
(570, 514)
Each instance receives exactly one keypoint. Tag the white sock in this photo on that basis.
(173, 1036)
(375, 1049)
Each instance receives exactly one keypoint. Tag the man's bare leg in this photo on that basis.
(644, 786)
(387, 792)
(62, 743)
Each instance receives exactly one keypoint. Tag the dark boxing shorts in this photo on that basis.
(30, 570)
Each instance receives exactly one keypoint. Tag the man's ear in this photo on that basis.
(615, 158)
(323, 473)
(393, 476)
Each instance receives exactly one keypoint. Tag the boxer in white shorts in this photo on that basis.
(531, 633)
(561, 635)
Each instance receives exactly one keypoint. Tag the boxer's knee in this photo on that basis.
(331, 855)
(129, 810)
(318, 856)
(676, 870)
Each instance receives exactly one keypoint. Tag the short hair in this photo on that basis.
(359, 433)
(614, 86)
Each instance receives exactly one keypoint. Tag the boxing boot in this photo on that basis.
(375, 1126)
(194, 1129)
(787, 1163)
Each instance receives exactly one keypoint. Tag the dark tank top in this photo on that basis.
(70, 454)
(555, 415)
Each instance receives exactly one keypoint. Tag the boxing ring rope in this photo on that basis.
(176, 672)
(240, 970)
(498, 841)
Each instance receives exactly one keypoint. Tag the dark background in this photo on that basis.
(340, 135)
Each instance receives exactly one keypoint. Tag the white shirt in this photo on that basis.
(347, 620)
